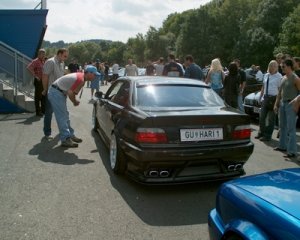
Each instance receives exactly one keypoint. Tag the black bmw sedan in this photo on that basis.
(171, 130)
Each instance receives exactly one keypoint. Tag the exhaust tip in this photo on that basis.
(153, 173)
(230, 167)
(236, 167)
(164, 173)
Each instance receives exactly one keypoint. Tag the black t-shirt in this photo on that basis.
(173, 70)
(106, 69)
(232, 84)
(150, 70)
(73, 67)
(242, 75)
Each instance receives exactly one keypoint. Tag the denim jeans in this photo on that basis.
(240, 103)
(47, 117)
(266, 121)
(287, 123)
(59, 105)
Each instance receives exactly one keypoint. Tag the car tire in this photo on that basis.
(234, 237)
(116, 156)
(95, 122)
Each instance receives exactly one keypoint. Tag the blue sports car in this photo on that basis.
(263, 206)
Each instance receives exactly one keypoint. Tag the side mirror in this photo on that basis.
(99, 94)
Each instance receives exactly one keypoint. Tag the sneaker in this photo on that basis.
(258, 136)
(69, 143)
(76, 139)
(49, 137)
(290, 155)
(279, 149)
(265, 139)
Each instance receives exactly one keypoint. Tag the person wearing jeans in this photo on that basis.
(53, 69)
(290, 86)
(269, 90)
(68, 86)
(242, 86)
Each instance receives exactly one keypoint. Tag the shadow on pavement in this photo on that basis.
(167, 205)
(47, 151)
(28, 118)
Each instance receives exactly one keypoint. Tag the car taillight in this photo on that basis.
(150, 135)
(242, 132)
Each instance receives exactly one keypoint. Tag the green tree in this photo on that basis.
(158, 44)
(136, 49)
(260, 35)
(116, 53)
(85, 52)
(290, 35)
(196, 37)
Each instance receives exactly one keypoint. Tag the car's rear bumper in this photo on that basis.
(177, 165)
(251, 110)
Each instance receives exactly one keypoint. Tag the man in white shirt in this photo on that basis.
(259, 75)
(159, 66)
(115, 71)
(131, 69)
(269, 91)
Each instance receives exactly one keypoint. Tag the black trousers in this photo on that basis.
(39, 99)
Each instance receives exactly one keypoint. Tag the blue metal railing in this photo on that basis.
(13, 70)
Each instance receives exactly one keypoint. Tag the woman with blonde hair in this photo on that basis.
(215, 76)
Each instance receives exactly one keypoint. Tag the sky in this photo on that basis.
(116, 20)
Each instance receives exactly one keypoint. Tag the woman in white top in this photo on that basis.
(215, 76)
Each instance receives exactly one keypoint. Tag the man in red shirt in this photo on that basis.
(36, 69)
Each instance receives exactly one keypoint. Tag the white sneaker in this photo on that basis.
(49, 137)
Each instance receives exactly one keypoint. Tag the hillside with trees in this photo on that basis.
(252, 30)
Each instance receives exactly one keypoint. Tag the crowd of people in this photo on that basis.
(53, 86)
(280, 98)
(279, 93)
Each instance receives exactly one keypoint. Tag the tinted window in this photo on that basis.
(122, 96)
(176, 96)
(114, 90)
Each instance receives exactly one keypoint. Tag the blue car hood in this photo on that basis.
(280, 188)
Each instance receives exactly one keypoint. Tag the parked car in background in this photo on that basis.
(141, 71)
(252, 104)
(252, 84)
(260, 207)
(171, 130)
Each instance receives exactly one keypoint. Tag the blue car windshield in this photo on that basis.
(176, 95)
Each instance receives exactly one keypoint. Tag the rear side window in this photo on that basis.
(176, 96)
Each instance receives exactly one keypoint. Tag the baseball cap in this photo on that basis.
(92, 69)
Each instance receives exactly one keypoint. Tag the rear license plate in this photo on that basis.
(189, 135)
(256, 110)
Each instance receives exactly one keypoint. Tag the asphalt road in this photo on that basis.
(50, 192)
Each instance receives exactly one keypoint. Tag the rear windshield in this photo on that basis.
(176, 96)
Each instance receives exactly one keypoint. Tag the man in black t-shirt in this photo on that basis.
(172, 69)
(73, 66)
(242, 85)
